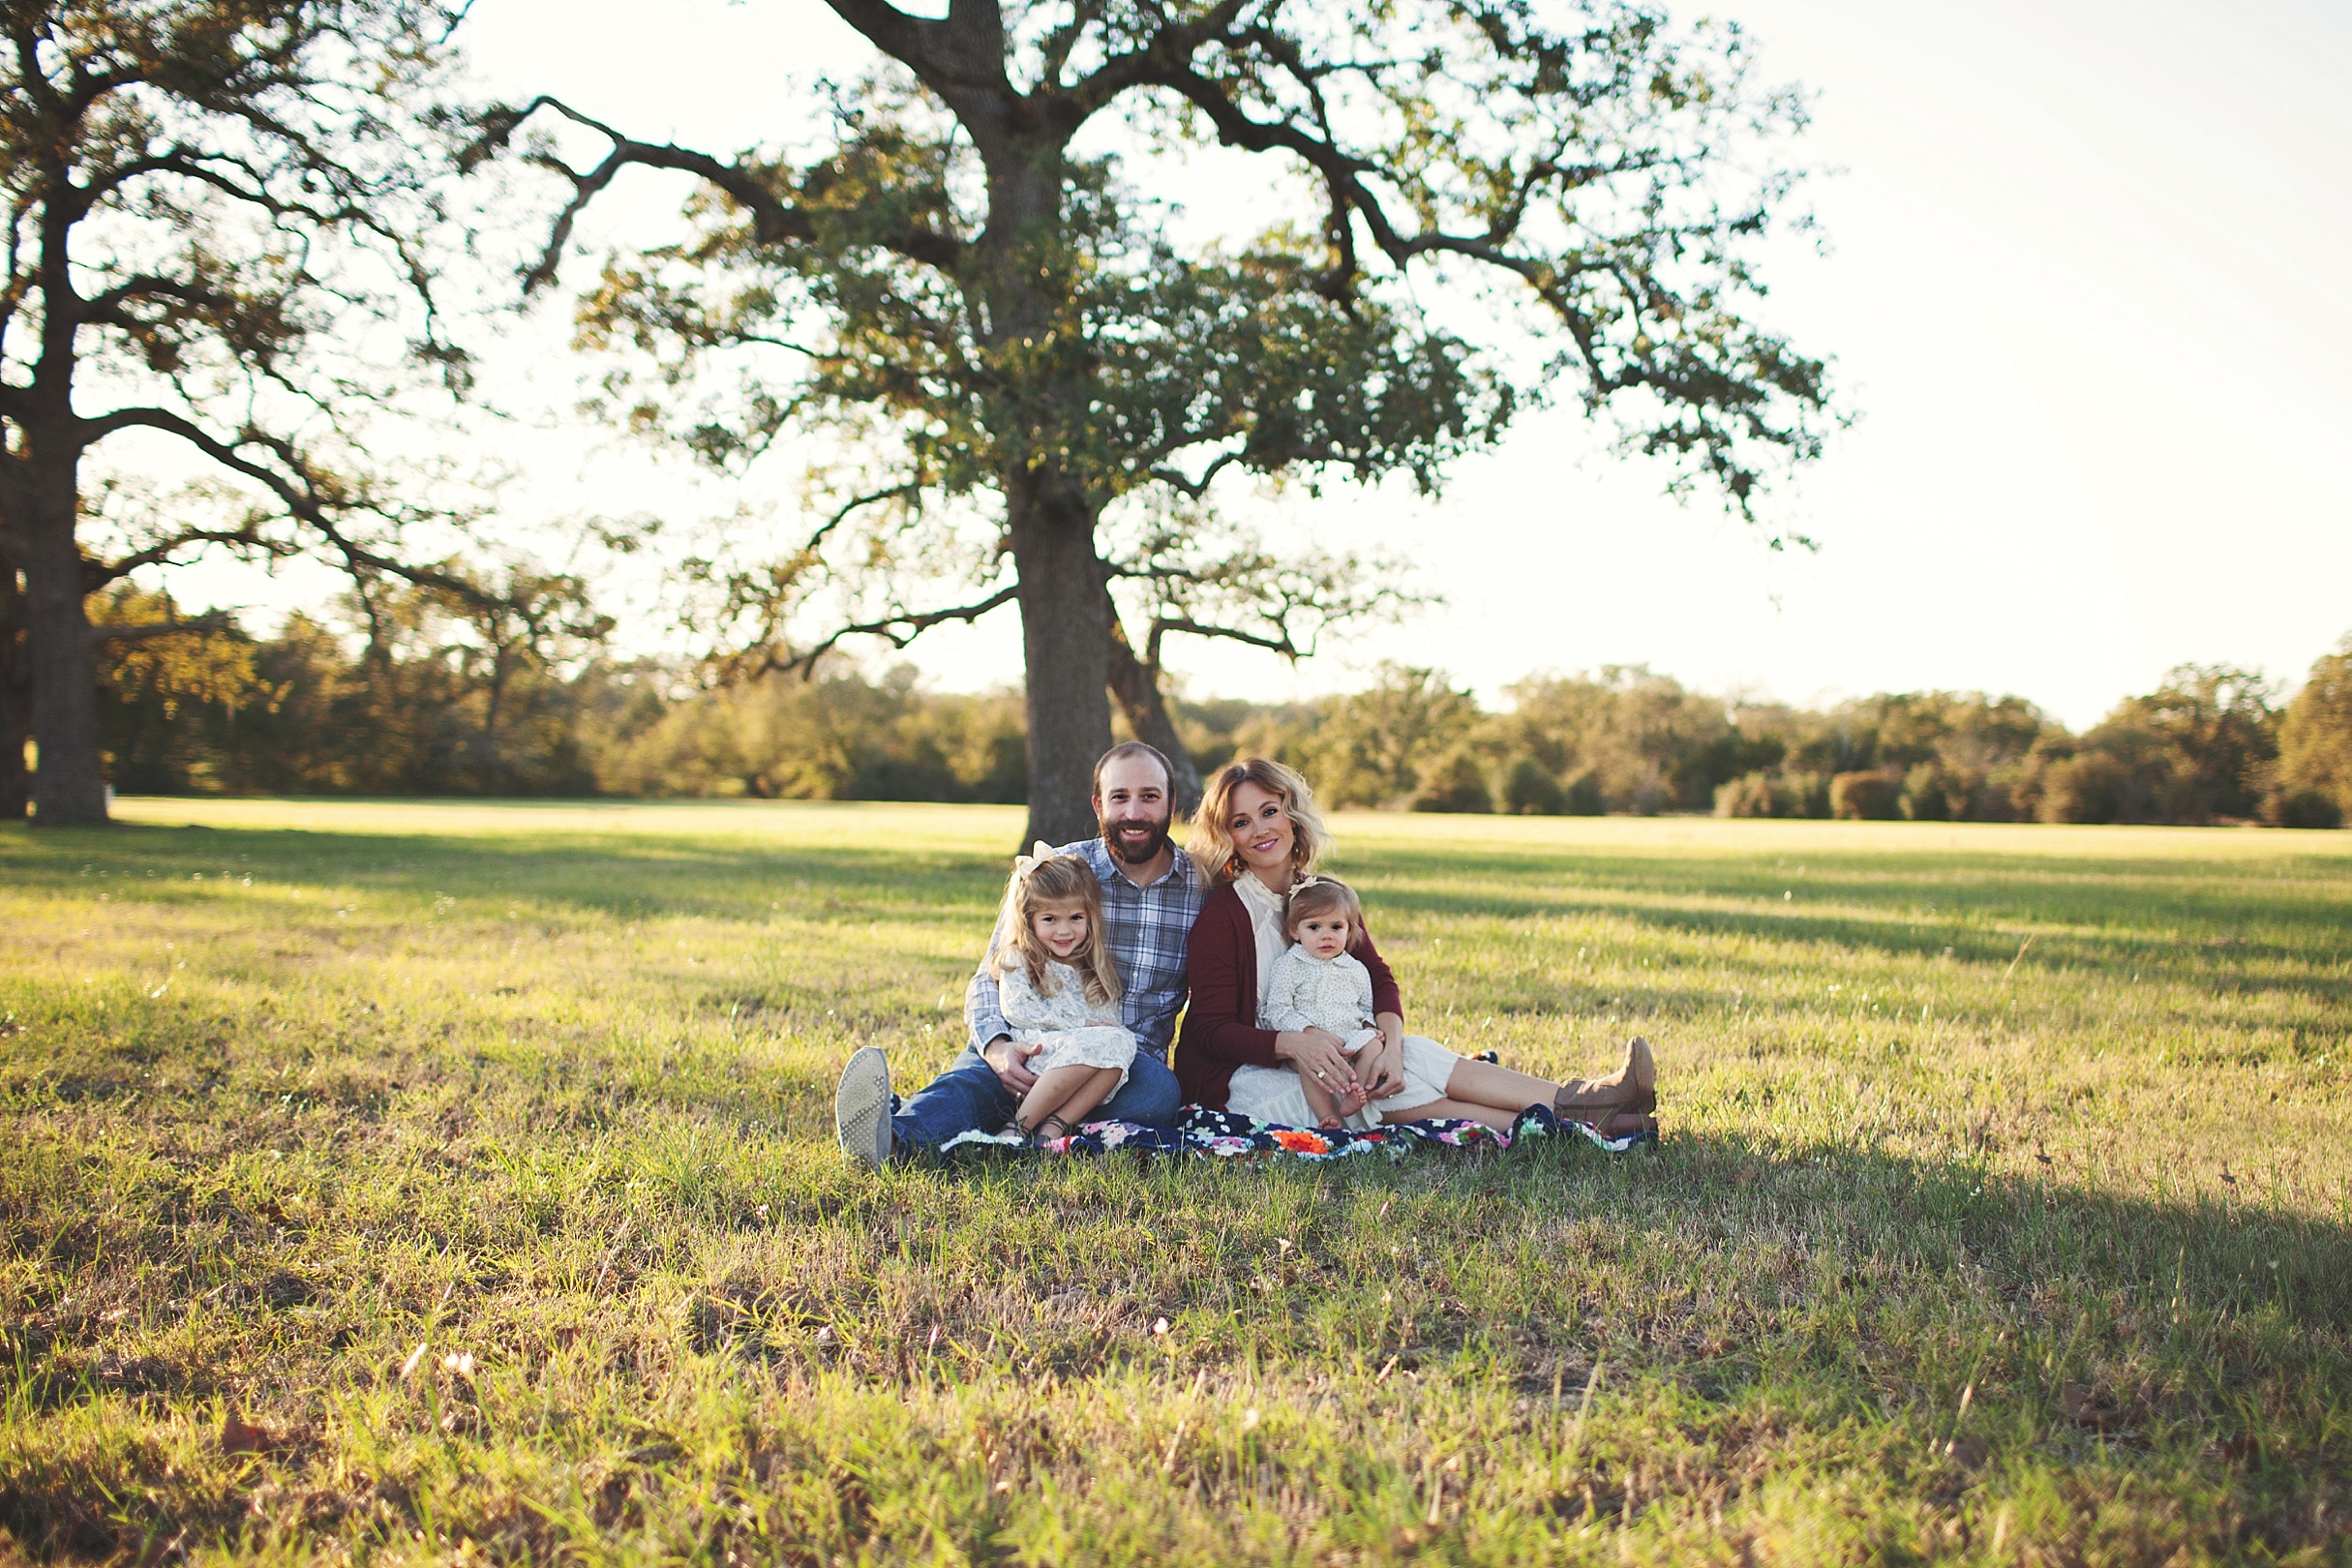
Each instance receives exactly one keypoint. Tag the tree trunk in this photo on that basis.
(1136, 688)
(70, 783)
(16, 699)
(1064, 640)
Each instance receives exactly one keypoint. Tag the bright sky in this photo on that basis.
(2084, 293)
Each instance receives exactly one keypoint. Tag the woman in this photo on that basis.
(1257, 833)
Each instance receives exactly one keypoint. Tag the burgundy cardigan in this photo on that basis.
(1221, 1030)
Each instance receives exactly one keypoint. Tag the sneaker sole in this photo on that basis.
(862, 1107)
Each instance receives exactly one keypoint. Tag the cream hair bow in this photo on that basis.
(1039, 854)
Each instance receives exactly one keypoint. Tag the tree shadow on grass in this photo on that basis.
(2235, 928)
(637, 876)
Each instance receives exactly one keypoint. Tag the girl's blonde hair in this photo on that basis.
(1322, 895)
(1211, 842)
(1043, 877)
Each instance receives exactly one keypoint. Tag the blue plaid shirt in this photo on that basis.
(1146, 929)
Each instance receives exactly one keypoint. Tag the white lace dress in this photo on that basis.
(1068, 1025)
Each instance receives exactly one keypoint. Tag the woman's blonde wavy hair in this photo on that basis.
(1055, 878)
(1211, 845)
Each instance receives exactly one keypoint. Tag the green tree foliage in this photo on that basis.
(2200, 748)
(1382, 745)
(448, 697)
(433, 693)
(838, 737)
(1638, 739)
(2315, 746)
(448, 694)
(1033, 387)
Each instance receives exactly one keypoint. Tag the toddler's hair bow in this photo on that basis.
(1039, 854)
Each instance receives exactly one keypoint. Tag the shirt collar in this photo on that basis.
(1098, 855)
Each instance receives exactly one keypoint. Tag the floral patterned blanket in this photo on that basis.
(1223, 1135)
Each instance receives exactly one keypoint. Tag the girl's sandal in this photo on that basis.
(1040, 1136)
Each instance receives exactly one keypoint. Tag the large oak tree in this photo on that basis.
(1024, 387)
(206, 201)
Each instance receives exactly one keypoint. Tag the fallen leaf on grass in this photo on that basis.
(239, 1436)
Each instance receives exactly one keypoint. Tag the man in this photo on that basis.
(1151, 894)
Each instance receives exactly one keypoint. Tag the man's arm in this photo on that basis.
(983, 1001)
(991, 1036)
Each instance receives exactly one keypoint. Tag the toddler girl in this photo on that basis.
(1319, 984)
(1059, 990)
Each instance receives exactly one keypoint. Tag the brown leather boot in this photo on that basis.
(1626, 1125)
(1633, 1089)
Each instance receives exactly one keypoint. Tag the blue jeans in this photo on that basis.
(970, 1097)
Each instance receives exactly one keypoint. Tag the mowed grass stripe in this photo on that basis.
(544, 1089)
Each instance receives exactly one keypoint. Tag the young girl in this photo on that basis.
(1060, 990)
(1319, 984)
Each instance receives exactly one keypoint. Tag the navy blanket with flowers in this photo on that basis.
(1215, 1135)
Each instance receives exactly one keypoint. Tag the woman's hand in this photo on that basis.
(1315, 1054)
(1382, 1069)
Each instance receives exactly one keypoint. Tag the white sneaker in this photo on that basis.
(862, 1107)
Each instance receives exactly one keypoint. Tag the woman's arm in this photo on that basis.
(1385, 996)
(1385, 1075)
(1213, 1023)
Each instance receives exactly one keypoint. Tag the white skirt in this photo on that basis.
(1097, 1045)
(1275, 1094)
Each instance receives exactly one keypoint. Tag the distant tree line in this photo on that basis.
(445, 695)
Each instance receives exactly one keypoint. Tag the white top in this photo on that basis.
(1067, 1008)
(1265, 907)
(1306, 992)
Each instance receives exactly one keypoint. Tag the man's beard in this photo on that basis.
(1124, 849)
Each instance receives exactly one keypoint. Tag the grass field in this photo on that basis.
(438, 1182)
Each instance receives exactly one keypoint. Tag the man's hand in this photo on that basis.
(1010, 1059)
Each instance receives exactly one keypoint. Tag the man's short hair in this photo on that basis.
(1134, 748)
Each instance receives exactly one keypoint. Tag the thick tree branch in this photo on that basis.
(897, 630)
(841, 514)
(912, 40)
(104, 306)
(295, 494)
(98, 574)
(1283, 643)
(1134, 684)
(1341, 172)
(147, 631)
(774, 219)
